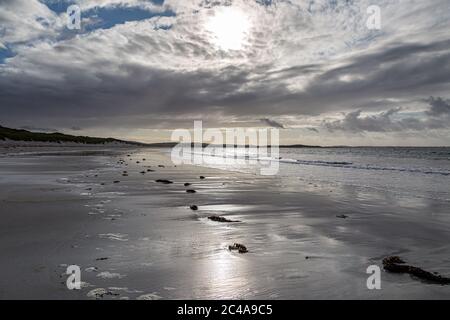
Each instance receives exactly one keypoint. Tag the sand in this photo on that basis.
(139, 239)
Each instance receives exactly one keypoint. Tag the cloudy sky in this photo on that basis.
(312, 68)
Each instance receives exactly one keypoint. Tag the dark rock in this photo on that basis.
(161, 166)
(103, 293)
(191, 191)
(220, 219)
(164, 181)
(125, 174)
(143, 172)
(187, 184)
(392, 260)
(239, 247)
(117, 181)
(150, 170)
(194, 207)
(202, 177)
(395, 264)
(342, 216)
(102, 259)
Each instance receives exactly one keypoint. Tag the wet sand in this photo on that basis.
(139, 239)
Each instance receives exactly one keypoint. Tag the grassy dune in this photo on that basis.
(24, 135)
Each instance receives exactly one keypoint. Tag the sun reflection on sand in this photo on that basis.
(226, 275)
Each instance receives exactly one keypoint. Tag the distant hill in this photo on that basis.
(299, 146)
(56, 137)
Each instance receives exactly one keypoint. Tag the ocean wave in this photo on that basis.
(351, 165)
(326, 163)
(323, 163)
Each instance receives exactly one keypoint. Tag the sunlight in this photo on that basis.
(229, 28)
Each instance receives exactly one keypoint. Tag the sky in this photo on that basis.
(314, 69)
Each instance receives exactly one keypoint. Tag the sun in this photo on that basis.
(228, 28)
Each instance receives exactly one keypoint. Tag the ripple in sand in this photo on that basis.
(114, 215)
(149, 296)
(100, 293)
(84, 284)
(125, 289)
(110, 275)
(169, 288)
(111, 194)
(114, 236)
(147, 264)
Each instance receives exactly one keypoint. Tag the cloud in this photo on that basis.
(439, 107)
(301, 59)
(393, 121)
(272, 123)
(37, 129)
(91, 4)
(353, 122)
(24, 21)
(313, 129)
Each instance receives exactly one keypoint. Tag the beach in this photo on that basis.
(135, 238)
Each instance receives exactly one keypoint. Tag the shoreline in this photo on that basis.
(155, 246)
